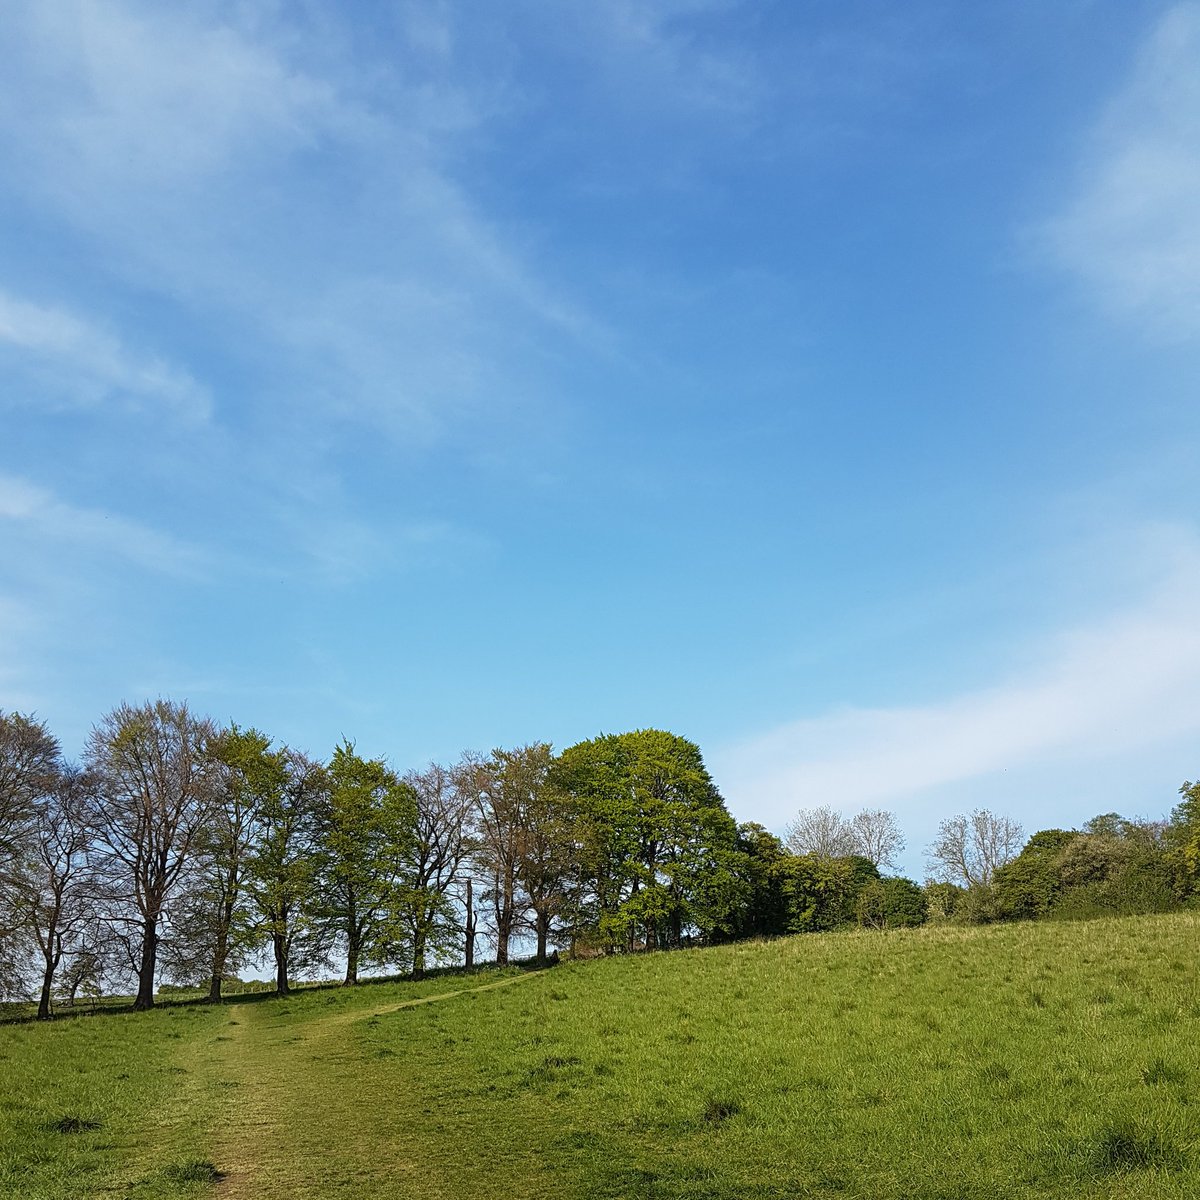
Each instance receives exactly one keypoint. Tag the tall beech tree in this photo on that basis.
(29, 766)
(366, 836)
(507, 788)
(152, 806)
(653, 831)
(440, 843)
(216, 925)
(56, 893)
(494, 847)
(283, 871)
(545, 845)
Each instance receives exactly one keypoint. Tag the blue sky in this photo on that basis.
(817, 381)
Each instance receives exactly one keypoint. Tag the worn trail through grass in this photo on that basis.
(285, 1134)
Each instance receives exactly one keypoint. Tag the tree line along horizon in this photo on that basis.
(182, 851)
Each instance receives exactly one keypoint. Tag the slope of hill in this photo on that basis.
(1022, 1060)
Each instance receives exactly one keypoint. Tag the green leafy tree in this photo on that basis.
(894, 903)
(943, 900)
(759, 910)
(283, 870)
(217, 932)
(821, 893)
(1031, 885)
(366, 836)
(1183, 842)
(29, 766)
(652, 829)
(1114, 867)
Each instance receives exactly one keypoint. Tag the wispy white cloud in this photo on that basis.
(44, 525)
(77, 363)
(233, 164)
(151, 98)
(1106, 688)
(1132, 230)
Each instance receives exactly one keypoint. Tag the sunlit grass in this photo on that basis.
(1031, 1060)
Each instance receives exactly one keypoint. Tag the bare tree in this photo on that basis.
(441, 843)
(154, 802)
(29, 765)
(822, 832)
(503, 788)
(55, 893)
(877, 837)
(968, 850)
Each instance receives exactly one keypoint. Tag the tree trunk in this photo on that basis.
(418, 967)
(279, 944)
(469, 930)
(352, 949)
(503, 934)
(43, 1012)
(145, 992)
(220, 953)
(543, 934)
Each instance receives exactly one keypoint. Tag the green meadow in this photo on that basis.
(1049, 1059)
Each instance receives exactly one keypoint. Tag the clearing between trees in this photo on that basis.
(1052, 1059)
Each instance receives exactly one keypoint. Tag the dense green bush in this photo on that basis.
(891, 904)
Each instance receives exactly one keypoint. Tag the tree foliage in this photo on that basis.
(654, 838)
(191, 851)
(365, 834)
(895, 903)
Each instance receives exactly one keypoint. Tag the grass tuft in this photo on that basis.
(718, 1111)
(1124, 1146)
(74, 1125)
(1160, 1072)
(194, 1170)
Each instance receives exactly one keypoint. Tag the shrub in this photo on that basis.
(891, 904)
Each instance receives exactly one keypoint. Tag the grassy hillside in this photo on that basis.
(1032, 1060)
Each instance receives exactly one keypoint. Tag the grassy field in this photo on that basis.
(1059, 1059)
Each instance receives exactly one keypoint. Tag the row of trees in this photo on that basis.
(182, 850)
(178, 849)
